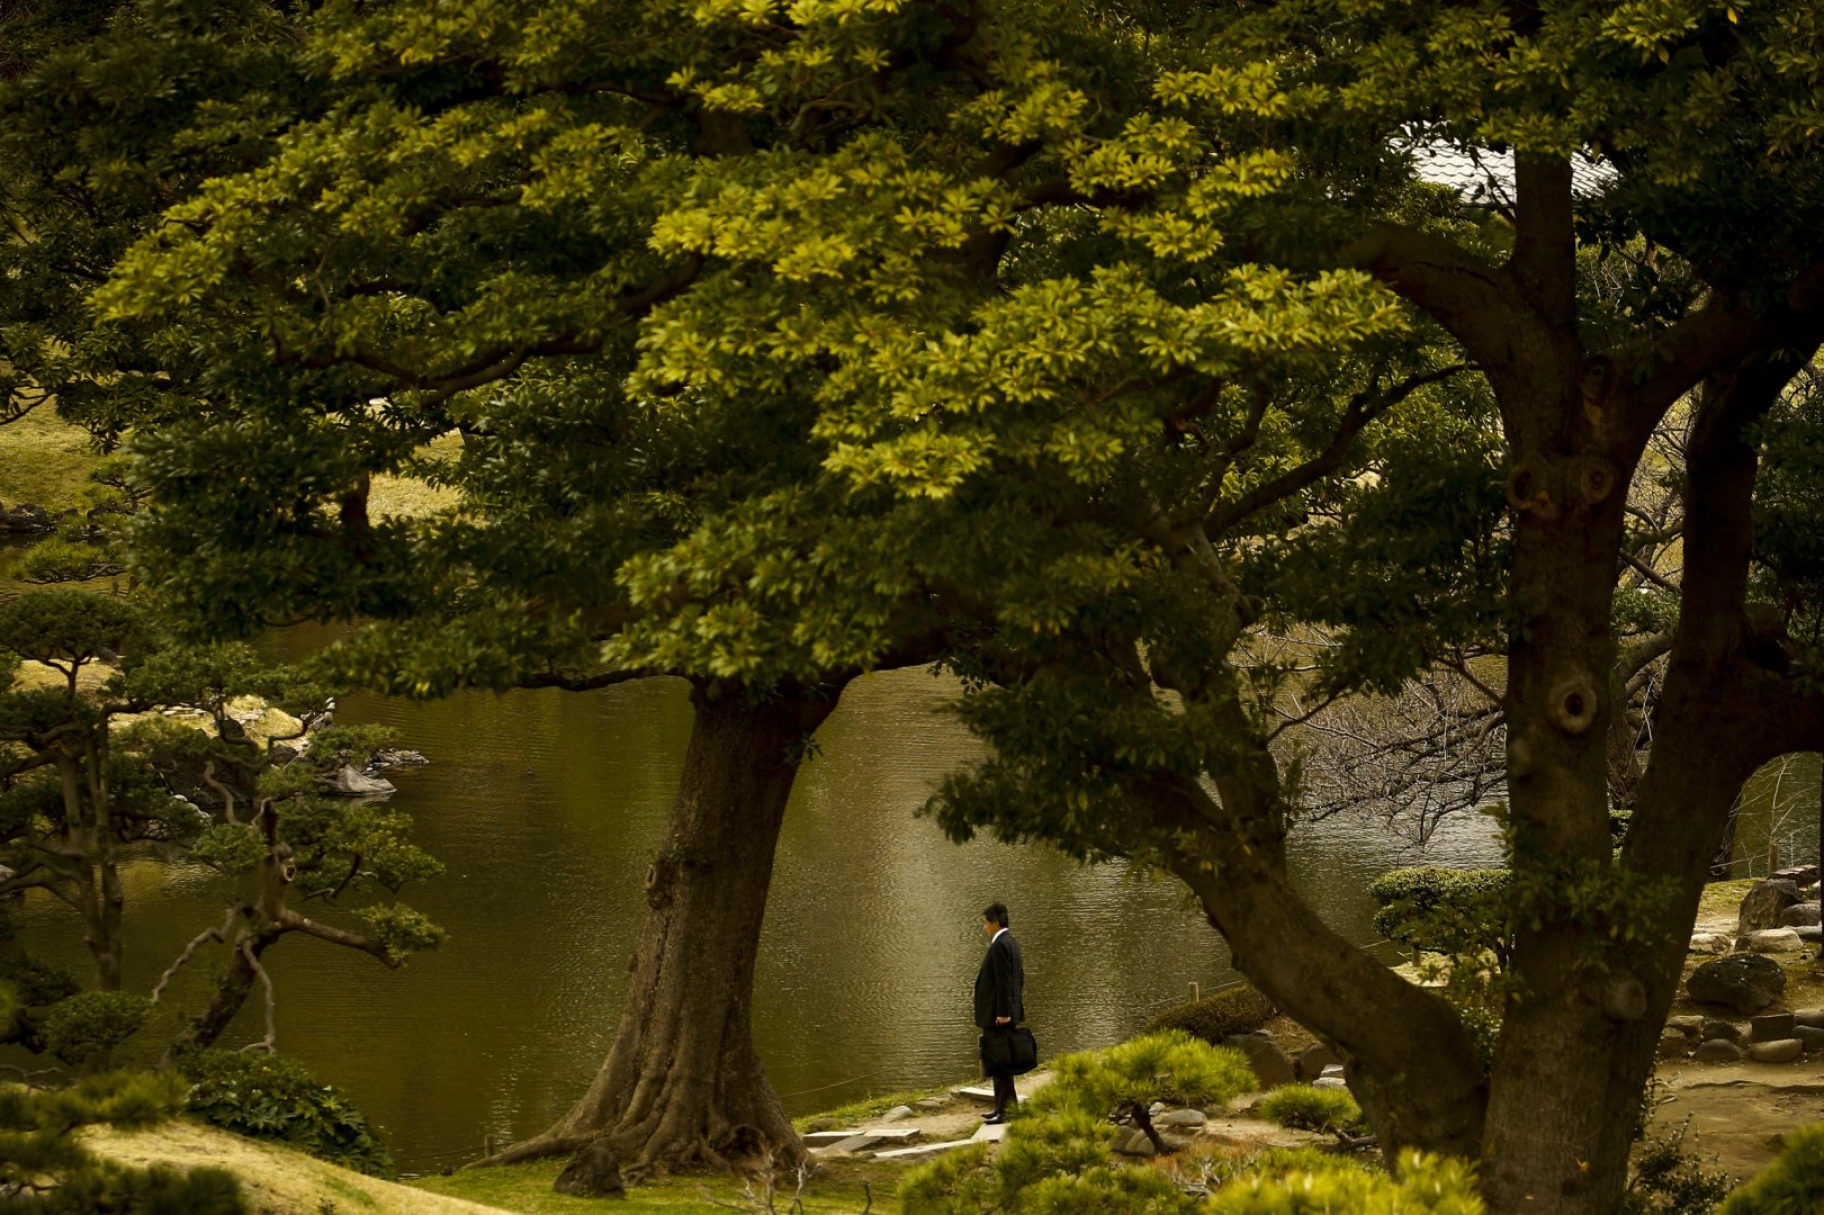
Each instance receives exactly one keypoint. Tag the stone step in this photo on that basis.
(922, 1149)
(886, 1134)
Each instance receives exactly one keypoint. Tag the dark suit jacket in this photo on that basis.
(1000, 985)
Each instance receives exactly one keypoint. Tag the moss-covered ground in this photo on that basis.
(44, 460)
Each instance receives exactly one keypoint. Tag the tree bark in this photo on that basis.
(682, 1084)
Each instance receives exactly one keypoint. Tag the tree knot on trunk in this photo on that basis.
(662, 875)
(1596, 479)
(1529, 489)
(1573, 702)
(1520, 757)
(1624, 998)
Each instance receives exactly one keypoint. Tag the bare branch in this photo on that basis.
(271, 1040)
(207, 934)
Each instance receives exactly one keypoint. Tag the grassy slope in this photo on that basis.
(526, 1188)
(285, 1182)
(274, 1178)
(43, 460)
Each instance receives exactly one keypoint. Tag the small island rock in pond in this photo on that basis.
(351, 783)
(1746, 983)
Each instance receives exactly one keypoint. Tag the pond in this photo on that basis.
(546, 809)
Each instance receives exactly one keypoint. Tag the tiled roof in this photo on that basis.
(1482, 176)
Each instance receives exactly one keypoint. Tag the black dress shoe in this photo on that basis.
(993, 1119)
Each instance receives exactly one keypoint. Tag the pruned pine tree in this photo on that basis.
(87, 764)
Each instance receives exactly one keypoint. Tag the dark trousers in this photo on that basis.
(1005, 1098)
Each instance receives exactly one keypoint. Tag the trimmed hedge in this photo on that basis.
(1306, 1108)
(1234, 1010)
(1447, 911)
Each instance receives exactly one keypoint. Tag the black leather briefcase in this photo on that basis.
(1013, 1051)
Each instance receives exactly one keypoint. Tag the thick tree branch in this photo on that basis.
(1364, 408)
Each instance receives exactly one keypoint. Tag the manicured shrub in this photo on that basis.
(37, 983)
(1058, 1155)
(1425, 1183)
(86, 1024)
(270, 1097)
(1791, 1185)
(1448, 911)
(1125, 1081)
(1312, 1109)
(1234, 1010)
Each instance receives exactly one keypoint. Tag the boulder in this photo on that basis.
(1313, 1060)
(930, 1104)
(1771, 1027)
(1727, 1031)
(1745, 983)
(1783, 1051)
(1718, 1050)
(1691, 1026)
(897, 1114)
(1812, 1038)
(1710, 942)
(351, 783)
(1776, 940)
(1136, 1144)
(397, 757)
(1813, 1017)
(1673, 1044)
(592, 1173)
(1762, 905)
(1800, 875)
(1184, 1118)
(1808, 934)
(1271, 1067)
(1799, 915)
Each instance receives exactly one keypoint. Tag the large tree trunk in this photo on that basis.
(682, 1084)
(1601, 944)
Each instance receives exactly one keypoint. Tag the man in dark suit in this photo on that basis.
(999, 1005)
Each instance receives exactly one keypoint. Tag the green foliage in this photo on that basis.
(1106, 1191)
(1456, 912)
(339, 746)
(403, 930)
(43, 1171)
(230, 848)
(1057, 1155)
(70, 628)
(1237, 1010)
(1169, 1066)
(1791, 1185)
(266, 1096)
(90, 1023)
(1313, 1109)
(1670, 1180)
(1423, 1183)
(30, 983)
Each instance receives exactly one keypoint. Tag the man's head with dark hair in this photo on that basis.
(997, 912)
